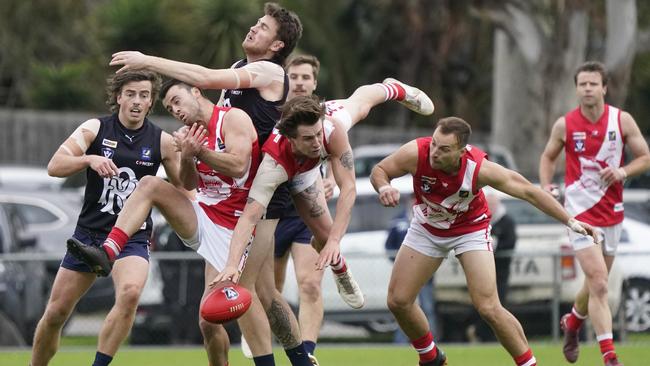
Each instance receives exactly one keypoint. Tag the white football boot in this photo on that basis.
(415, 99)
(349, 289)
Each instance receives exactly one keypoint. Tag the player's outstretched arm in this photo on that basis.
(269, 176)
(401, 162)
(256, 75)
(510, 182)
(71, 156)
(342, 164)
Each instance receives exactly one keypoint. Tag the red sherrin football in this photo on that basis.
(226, 302)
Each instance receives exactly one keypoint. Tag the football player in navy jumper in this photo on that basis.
(116, 152)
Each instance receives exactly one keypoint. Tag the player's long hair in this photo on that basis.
(116, 82)
(300, 111)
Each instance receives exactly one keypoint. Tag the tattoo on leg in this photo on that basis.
(310, 195)
(347, 160)
(281, 325)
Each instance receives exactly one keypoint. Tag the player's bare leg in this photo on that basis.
(69, 286)
(481, 283)
(215, 337)
(129, 276)
(365, 97)
(254, 324)
(280, 270)
(411, 271)
(310, 315)
(283, 322)
(312, 207)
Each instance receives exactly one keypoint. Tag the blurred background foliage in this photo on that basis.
(54, 53)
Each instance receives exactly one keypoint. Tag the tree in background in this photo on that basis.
(538, 46)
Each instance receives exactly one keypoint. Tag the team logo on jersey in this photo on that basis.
(427, 182)
(579, 141)
(231, 293)
(146, 153)
(463, 194)
(116, 190)
(611, 135)
(108, 152)
(109, 143)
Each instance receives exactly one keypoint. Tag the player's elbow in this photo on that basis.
(54, 168)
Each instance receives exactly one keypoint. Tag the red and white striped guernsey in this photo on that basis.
(589, 148)
(449, 205)
(222, 197)
(279, 148)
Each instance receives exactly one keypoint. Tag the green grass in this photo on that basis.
(633, 353)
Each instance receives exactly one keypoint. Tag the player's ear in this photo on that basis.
(277, 45)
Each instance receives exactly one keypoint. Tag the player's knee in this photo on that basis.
(598, 287)
(488, 309)
(129, 296)
(310, 290)
(398, 304)
(55, 316)
(148, 184)
(210, 330)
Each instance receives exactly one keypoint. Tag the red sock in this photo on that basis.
(115, 242)
(426, 347)
(526, 359)
(339, 267)
(606, 346)
(393, 91)
(575, 320)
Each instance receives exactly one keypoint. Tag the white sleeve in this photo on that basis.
(269, 176)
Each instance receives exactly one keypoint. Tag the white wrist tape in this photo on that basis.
(576, 226)
(383, 189)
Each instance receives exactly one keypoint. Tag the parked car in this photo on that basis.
(541, 240)
(49, 213)
(21, 283)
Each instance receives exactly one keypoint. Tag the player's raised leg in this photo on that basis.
(365, 97)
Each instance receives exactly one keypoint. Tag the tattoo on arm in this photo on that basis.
(310, 195)
(347, 160)
(281, 325)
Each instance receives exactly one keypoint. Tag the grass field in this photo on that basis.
(632, 354)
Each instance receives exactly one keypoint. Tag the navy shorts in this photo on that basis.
(290, 230)
(139, 247)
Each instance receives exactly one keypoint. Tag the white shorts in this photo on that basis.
(422, 241)
(212, 241)
(337, 111)
(611, 236)
(302, 181)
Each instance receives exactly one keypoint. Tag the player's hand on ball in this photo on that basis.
(229, 273)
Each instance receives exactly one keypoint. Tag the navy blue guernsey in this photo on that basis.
(265, 114)
(136, 153)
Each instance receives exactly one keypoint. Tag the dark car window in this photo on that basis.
(33, 214)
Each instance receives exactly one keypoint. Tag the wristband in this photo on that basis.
(383, 189)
